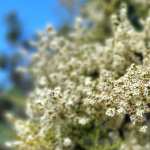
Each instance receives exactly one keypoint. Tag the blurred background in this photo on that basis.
(20, 20)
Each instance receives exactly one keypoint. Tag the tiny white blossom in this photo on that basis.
(143, 129)
(139, 112)
(83, 121)
(67, 142)
(111, 112)
(13, 143)
(121, 110)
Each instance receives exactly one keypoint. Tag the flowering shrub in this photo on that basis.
(100, 12)
(88, 95)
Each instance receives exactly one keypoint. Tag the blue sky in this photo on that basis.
(34, 15)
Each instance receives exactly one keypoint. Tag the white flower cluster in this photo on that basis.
(77, 83)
